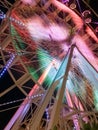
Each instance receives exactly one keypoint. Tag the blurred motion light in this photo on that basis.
(88, 20)
(28, 1)
(65, 1)
(87, 16)
(73, 6)
(96, 30)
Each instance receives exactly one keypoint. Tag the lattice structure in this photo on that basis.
(48, 52)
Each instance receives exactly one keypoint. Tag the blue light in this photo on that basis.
(47, 114)
(7, 65)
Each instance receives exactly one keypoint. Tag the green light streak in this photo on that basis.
(19, 46)
(32, 72)
(96, 99)
(18, 42)
(44, 60)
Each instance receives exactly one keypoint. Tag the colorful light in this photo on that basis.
(74, 117)
(47, 114)
(7, 66)
(65, 1)
(24, 107)
(52, 32)
(28, 1)
(15, 101)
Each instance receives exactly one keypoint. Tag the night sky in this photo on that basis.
(14, 94)
(6, 81)
(94, 5)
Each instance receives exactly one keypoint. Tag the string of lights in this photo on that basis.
(15, 101)
(4, 16)
(7, 65)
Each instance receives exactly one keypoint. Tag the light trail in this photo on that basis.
(74, 117)
(45, 34)
(38, 31)
(79, 106)
(80, 41)
(76, 19)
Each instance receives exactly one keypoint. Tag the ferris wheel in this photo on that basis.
(49, 65)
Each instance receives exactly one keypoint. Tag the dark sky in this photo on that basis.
(14, 94)
(94, 5)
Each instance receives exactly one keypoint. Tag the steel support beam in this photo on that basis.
(58, 103)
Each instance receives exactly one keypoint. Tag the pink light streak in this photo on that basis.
(53, 31)
(77, 20)
(91, 33)
(82, 45)
(80, 41)
(28, 2)
(74, 117)
(79, 106)
(38, 31)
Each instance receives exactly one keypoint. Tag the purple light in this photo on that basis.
(2, 15)
(65, 1)
(30, 97)
(95, 23)
(7, 66)
(47, 114)
(96, 29)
